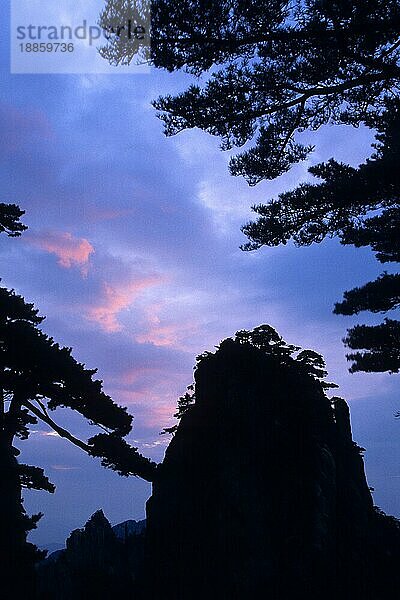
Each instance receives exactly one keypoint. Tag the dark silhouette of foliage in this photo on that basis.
(126, 24)
(380, 295)
(33, 478)
(342, 205)
(184, 404)
(381, 344)
(37, 377)
(10, 223)
(117, 454)
(269, 70)
(265, 338)
(273, 69)
(380, 232)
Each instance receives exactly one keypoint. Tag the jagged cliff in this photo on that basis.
(262, 492)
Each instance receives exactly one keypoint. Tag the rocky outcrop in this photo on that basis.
(99, 562)
(262, 493)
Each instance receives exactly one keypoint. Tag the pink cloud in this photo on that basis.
(116, 298)
(137, 374)
(150, 394)
(160, 332)
(70, 251)
(153, 408)
(165, 335)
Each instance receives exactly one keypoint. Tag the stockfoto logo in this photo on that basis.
(92, 33)
(69, 38)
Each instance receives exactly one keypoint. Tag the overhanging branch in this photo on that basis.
(143, 467)
(60, 430)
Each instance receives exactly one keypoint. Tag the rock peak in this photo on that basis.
(263, 492)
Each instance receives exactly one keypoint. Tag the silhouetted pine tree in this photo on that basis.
(37, 376)
(361, 207)
(271, 70)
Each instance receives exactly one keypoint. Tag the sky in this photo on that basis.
(132, 254)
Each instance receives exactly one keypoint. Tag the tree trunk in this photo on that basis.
(17, 556)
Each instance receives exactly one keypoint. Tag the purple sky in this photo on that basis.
(133, 255)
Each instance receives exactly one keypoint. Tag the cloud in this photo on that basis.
(19, 125)
(116, 298)
(164, 442)
(42, 433)
(172, 319)
(95, 214)
(64, 468)
(70, 251)
(135, 377)
(166, 335)
(154, 408)
(170, 335)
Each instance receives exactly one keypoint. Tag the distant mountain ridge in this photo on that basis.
(122, 530)
(129, 528)
(98, 560)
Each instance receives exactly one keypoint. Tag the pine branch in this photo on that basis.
(60, 430)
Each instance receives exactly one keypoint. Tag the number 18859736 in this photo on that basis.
(47, 47)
